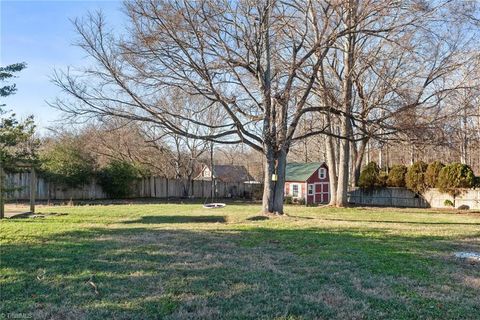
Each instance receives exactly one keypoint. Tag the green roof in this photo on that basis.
(301, 171)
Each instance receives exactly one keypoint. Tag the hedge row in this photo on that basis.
(74, 169)
(420, 176)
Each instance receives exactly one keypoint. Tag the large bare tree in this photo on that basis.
(264, 66)
(255, 60)
(390, 82)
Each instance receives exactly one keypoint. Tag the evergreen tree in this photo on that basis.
(16, 137)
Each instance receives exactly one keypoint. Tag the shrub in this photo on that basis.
(448, 203)
(432, 173)
(415, 177)
(117, 177)
(257, 193)
(382, 179)
(476, 183)
(67, 164)
(369, 177)
(288, 200)
(396, 176)
(454, 177)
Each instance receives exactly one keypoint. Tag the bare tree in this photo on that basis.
(255, 60)
(264, 66)
(390, 82)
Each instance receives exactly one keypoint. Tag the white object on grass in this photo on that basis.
(214, 205)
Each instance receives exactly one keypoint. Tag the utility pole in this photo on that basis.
(212, 191)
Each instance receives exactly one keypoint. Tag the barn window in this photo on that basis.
(310, 189)
(294, 190)
(322, 173)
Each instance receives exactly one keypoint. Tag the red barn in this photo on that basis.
(307, 181)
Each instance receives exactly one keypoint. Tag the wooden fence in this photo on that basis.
(387, 197)
(152, 187)
(402, 197)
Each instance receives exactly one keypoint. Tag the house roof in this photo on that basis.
(300, 171)
(229, 173)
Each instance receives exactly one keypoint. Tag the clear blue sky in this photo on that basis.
(40, 33)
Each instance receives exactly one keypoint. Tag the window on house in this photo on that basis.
(310, 189)
(322, 173)
(294, 190)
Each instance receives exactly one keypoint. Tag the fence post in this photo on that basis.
(166, 187)
(152, 187)
(33, 189)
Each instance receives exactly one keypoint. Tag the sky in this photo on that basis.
(41, 34)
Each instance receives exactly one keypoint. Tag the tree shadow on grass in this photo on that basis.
(257, 218)
(159, 219)
(142, 273)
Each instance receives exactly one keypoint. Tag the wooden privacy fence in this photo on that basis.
(387, 197)
(158, 187)
(402, 197)
(152, 187)
(18, 185)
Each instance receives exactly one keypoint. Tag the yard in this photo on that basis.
(177, 261)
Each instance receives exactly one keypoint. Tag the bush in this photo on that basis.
(396, 176)
(448, 203)
(476, 182)
(117, 177)
(454, 177)
(288, 200)
(432, 173)
(257, 193)
(67, 164)
(415, 177)
(382, 179)
(369, 177)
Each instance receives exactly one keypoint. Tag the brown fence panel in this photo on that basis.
(151, 187)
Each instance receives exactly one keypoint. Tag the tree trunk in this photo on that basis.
(273, 191)
(367, 153)
(360, 152)
(380, 156)
(332, 171)
(412, 154)
(345, 123)
(464, 135)
(331, 163)
(353, 162)
(342, 187)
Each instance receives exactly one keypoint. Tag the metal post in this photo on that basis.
(212, 192)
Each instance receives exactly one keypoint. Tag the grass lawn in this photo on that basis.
(172, 261)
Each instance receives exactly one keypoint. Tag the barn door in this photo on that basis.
(321, 194)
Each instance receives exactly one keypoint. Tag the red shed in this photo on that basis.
(307, 181)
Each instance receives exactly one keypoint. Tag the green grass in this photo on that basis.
(177, 261)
